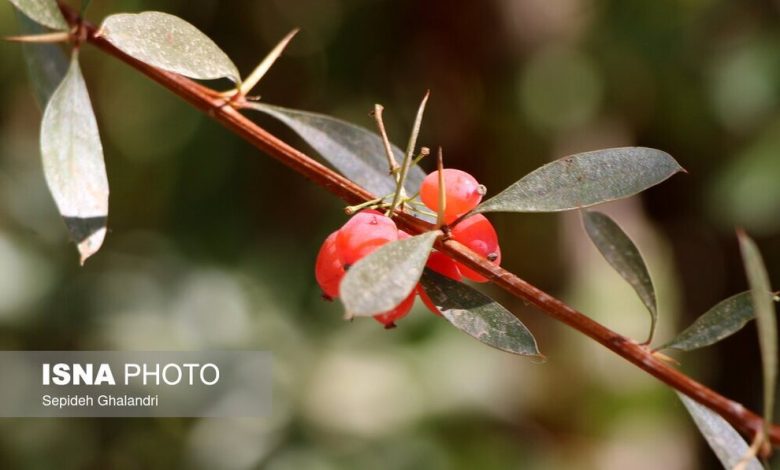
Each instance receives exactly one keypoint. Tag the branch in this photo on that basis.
(220, 110)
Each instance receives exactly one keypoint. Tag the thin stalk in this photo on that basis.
(442, 189)
(205, 100)
(752, 452)
(424, 152)
(409, 151)
(349, 210)
(392, 165)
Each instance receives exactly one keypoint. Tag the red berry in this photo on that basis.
(403, 235)
(462, 192)
(363, 233)
(444, 265)
(328, 269)
(389, 318)
(477, 233)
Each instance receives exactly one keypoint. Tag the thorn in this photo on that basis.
(47, 38)
(266, 63)
(664, 358)
(442, 206)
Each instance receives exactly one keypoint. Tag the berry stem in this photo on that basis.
(424, 152)
(380, 124)
(349, 210)
(206, 100)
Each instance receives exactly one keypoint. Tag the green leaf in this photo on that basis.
(479, 316)
(724, 440)
(45, 12)
(73, 161)
(762, 297)
(354, 151)
(46, 63)
(717, 323)
(383, 279)
(621, 253)
(170, 43)
(585, 179)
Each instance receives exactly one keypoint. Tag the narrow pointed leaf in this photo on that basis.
(479, 316)
(73, 161)
(170, 43)
(383, 279)
(762, 297)
(717, 323)
(621, 253)
(45, 12)
(46, 63)
(354, 151)
(724, 440)
(585, 179)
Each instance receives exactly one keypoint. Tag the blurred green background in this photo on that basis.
(212, 243)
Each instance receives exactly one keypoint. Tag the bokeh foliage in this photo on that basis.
(211, 244)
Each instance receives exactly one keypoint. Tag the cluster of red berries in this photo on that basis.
(369, 229)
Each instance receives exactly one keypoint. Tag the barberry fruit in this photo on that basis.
(444, 265)
(328, 269)
(363, 233)
(462, 192)
(477, 233)
(389, 318)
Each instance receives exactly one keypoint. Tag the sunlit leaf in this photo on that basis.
(170, 43)
(585, 179)
(353, 150)
(73, 161)
(621, 253)
(383, 279)
(46, 63)
(719, 322)
(45, 12)
(762, 296)
(724, 440)
(479, 316)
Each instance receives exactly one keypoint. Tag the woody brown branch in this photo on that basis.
(217, 108)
